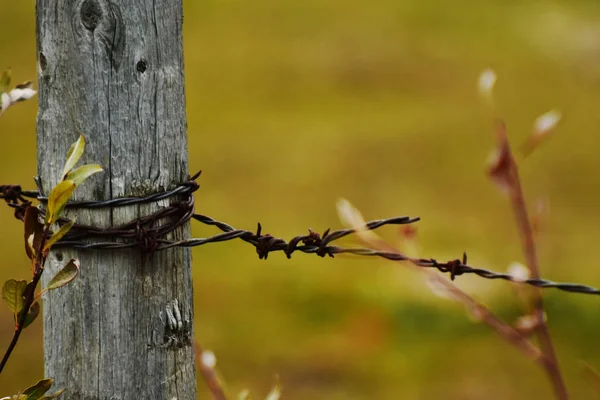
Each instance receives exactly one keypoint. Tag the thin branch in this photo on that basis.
(481, 312)
(442, 286)
(505, 172)
(40, 260)
(209, 374)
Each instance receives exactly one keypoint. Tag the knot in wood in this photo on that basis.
(91, 14)
(141, 66)
(43, 62)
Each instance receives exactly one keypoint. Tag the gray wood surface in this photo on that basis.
(113, 70)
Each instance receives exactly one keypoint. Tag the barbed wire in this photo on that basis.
(148, 233)
(185, 188)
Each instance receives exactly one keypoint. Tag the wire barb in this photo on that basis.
(148, 234)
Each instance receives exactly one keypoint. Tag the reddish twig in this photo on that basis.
(38, 269)
(442, 286)
(209, 375)
(505, 172)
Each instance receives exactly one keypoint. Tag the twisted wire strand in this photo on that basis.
(147, 233)
(453, 267)
(184, 188)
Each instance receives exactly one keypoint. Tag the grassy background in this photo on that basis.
(292, 105)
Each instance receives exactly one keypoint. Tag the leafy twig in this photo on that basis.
(38, 243)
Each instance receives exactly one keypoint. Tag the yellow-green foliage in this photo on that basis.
(294, 104)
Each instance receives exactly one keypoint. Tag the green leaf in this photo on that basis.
(73, 155)
(70, 151)
(12, 294)
(38, 390)
(33, 313)
(58, 199)
(34, 227)
(80, 174)
(5, 81)
(65, 275)
(54, 396)
(58, 235)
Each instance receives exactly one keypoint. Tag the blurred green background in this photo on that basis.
(292, 105)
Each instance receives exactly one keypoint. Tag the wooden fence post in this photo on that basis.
(113, 70)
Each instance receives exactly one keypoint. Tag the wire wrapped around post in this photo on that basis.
(148, 234)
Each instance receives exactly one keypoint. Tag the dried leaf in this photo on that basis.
(542, 127)
(443, 288)
(12, 294)
(244, 395)
(65, 275)
(73, 155)
(528, 324)
(352, 218)
(487, 81)
(58, 235)
(275, 393)
(502, 166)
(22, 92)
(58, 199)
(208, 359)
(440, 288)
(545, 123)
(8, 97)
(34, 230)
(518, 272)
(37, 391)
(4, 102)
(80, 174)
(29, 247)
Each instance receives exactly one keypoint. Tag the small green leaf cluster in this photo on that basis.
(36, 392)
(42, 230)
(71, 179)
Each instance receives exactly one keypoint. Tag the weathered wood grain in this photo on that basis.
(113, 70)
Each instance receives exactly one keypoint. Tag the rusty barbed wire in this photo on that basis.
(148, 233)
(185, 188)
